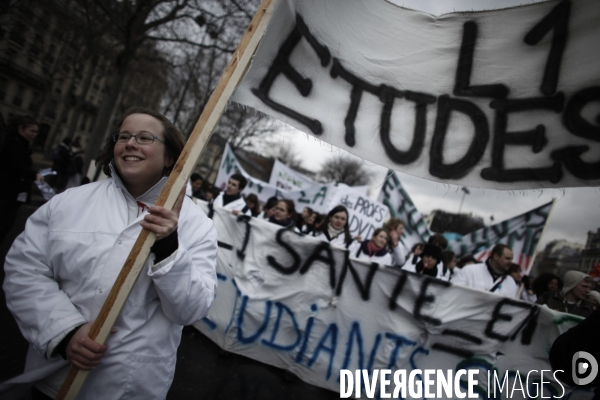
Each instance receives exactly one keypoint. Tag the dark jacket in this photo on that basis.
(16, 174)
(555, 301)
(582, 337)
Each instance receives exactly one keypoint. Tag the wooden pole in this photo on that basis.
(211, 114)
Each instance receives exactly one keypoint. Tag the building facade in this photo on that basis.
(47, 72)
(590, 256)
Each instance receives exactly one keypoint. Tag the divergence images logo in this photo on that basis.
(583, 364)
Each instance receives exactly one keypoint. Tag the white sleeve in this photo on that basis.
(398, 257)
(186, 280)
(459, 276)
(42, 310)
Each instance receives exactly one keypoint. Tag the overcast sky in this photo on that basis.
(576, 210)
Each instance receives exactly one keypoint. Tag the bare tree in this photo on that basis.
(128, 26)
(345, 169)
(289, 157)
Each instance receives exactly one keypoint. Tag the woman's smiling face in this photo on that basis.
(141, 166)
(380, 239)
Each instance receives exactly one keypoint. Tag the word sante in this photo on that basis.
(439, 384)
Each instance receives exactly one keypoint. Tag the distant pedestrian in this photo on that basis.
(16, 174)
(197, 186)
(61, 157)
(74, 170)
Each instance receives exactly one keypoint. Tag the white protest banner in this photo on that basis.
(401, 206)
(294, 302)
(365, 214)
(496, 99)
(521, 233)
(286, 178)
(318, 197)
(229, 166)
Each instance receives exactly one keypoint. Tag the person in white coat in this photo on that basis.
(374, 250)
(232, 198)
(60, 270)
(492, 275)
(395, 228)
(429, 262)
(335, 228)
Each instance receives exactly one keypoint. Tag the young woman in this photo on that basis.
(16, 174)
(73, 248)
(374, 250)
(268, 208)
(546, 282)
(449, 262)
(428, 263)
(284, 214)
(253, 204)
(415, 253)
(334, 228)
(395, 228)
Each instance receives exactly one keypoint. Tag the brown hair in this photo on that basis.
(20, 121)
(392, 224)
(499, 250)
(290, 206)
(378, 231)
(174, 140)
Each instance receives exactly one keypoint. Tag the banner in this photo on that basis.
(294, 302)
(364, 214)
(521, 234)
(285, 178)
(401, 206)
(495, 99)
(318, 197)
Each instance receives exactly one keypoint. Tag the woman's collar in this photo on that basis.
(149, 197)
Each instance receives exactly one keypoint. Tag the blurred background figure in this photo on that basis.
(252, 204)
(16, 174)
(61, 158)
(546, 282)
(197, 182)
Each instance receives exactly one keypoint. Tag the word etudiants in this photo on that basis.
(440, 384)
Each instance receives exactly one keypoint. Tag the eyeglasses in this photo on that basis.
(140, 138)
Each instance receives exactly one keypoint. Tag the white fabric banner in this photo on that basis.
(318, 197)
(500, 99)
(365, 214)
(521, 233)
(283, 177)
(395, 197)
(294, 302)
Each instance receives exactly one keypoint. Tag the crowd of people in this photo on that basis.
(73, 247)
(498, 274)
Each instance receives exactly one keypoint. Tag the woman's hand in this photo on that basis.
(161, 221)
(83, 352)
(39, 177)
(394, 238)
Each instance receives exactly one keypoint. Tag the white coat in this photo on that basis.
(238, 204)
(357, 252)
(338, 241)
(477, 276)
(60, 270)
